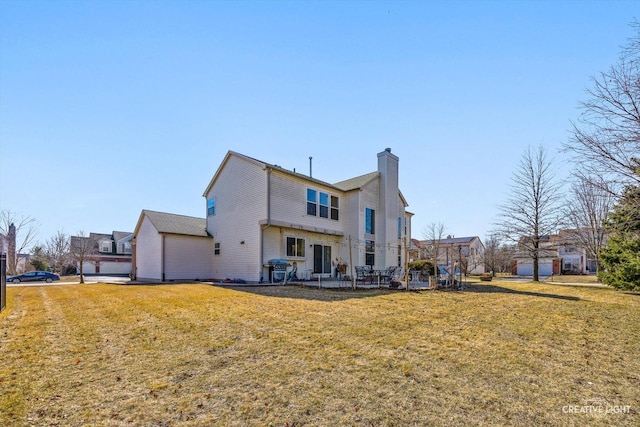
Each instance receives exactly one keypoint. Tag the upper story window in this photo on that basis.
(216, 248)
(334, 207)
(322, 204)
(105, 246)
(126, 247)
(399, 227)
(370, 221)
(312, 202)
(211, 206)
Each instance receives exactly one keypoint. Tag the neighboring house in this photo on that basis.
(576, 259)
(451, 250)
(23, 261)
(171, 247)
(560, 253)
(417, 251)
(111, 255)
(24, 264)
(548, 263)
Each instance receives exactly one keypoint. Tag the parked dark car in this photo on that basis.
(34, 276)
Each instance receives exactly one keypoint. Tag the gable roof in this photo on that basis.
(175, 224)
(119, 235)
(346, 185)
(263, 165)
(452, 241)
(357, 182)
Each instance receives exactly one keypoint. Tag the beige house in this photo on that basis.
(258, 213)
(470, 250)
(560, 253)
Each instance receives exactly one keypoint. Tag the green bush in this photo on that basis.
(423, 265)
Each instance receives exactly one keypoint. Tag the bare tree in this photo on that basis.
(497, 255)
(433, 234)
(20, 233)
(533, 208)
(57, 251)
(491, 253)
(585, 214)
(82, 248)
(605, 141)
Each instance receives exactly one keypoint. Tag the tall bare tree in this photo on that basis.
(57, 251)
(433, 233)
(585, 213)
(82, 247)
(533, 207)
(20, 232)
(605, 140)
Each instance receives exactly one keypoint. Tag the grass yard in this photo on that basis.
(590, 279)
(497, 354)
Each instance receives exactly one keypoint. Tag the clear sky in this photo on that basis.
(111, 107)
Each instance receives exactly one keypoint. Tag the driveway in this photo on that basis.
(87, 279)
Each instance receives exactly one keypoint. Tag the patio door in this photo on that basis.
(321, 259)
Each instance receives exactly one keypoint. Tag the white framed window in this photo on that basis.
(216, 248)
(105, 246)
(312, 202)
(211, 206)
(335, 208)
(369, 221)
(370, 252)
(295, 247)
(323, 204)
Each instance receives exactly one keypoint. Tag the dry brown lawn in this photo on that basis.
(191, 354)
(565, 278)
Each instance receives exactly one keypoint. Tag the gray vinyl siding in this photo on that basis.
(240, 193)
(289, 202)
(148, 252)
(187, 257)
(369, 199)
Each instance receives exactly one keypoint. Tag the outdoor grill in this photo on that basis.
(277, 269)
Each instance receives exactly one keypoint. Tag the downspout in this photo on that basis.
(162, 257)
(134, 269)
(268, 224)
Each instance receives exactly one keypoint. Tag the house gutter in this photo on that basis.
(268, 224)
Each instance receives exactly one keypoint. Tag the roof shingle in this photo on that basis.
(177, 224)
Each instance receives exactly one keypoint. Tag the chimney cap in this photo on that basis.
(388, 150)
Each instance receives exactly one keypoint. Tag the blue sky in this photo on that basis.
(111, 107)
